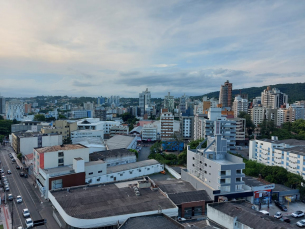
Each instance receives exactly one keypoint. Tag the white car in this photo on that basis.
(301, 223)
(278, 215)
(19, 199)
(29, 223)
(297, 214)
(264, 212)
(26, 213)
(20, 227)
(6, 188)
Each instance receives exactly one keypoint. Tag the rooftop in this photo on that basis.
(119, 142)
(175, 186)
(103, 155)
(286, 141)
(23, 134)
(119, 168)
(248, 216)
(59, 147)
(280, 188)
(192, 196)
(156, 221)
(253, 181)
(108, 200)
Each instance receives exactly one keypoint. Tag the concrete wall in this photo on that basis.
(96, 170)
(51, 158)
(126, 175)
(113, 161)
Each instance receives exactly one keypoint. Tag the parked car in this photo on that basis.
(301, 223)
(25, 175)
(6, 188)
(297, 214)
(20, 227)
(285, 219)
(278, 215)
(21, 174)
(9, 172)
(10, 196)
(283, 207)
(13, 160)
(17, 167)
(264, 212)
(1, 170)
(19, 199)
(25, 213)
(29, 223)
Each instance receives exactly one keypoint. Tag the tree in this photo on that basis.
(131, 127)
(68, 140)
(1, 117)
(1, 138)
(135, 151)
(15, 121)
(39, 117)
(156, 147)
(60, 116)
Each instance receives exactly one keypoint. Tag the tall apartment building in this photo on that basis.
(27, 108)
(285, 115)
(144, 101)
(100, 112)
(114, 99)
(240, 128)
(149, 132)
(62, 127)
(167, 125)
(225, 94)
(299, 111)
(273, 98)
(219, 173)
(288, 153)
(14, 110)
(183, 103)
(240, 105)
(101, 100)
(2, 105)
(257, 115)
(187, 126)
(169, 102)
(198, 125)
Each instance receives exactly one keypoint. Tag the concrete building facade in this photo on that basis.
(144, 101)
(167, 125)
(240, 105)
(225, 94)
(14, 110)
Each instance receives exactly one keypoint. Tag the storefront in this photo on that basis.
(262, 190)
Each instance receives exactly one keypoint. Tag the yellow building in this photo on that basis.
(61, 127)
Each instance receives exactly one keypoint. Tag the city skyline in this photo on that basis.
(90, 48)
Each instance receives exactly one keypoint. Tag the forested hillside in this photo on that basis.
(295, 91)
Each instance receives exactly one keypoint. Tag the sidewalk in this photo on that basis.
(5, 217)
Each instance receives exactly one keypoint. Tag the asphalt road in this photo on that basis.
(19, 186)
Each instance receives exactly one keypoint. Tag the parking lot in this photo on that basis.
(292, 207)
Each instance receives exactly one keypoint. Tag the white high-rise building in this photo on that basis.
(273, 98)
(169, 102)
(144, 101)
(14, 110)
(239, 105)
(257, 115)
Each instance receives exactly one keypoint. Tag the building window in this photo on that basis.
(121, 174)
(238, 179)
(60, 154)
(238, 171)
(98, 179)
(100, 171)
(91, 173)
(60, 162)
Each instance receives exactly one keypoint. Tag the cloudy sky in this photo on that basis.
(103, 48)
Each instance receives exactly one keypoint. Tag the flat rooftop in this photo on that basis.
(175, 186)
(24, 134)
(119, 168)
(253, 181)
(187, 197)
(109, 200)
(119, 142)
(59, 148)
(293, 142)
(102, 155)
(157, 221)
(248, 216)
(281, 188)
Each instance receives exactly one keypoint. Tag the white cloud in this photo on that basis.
(164, 65)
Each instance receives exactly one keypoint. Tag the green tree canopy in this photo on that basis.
(39, 117)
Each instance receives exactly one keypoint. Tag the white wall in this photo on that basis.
(51, 158)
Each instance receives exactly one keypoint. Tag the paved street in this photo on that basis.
(23, 187)
(143, 155)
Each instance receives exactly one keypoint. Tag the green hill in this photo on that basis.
(295, 91)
